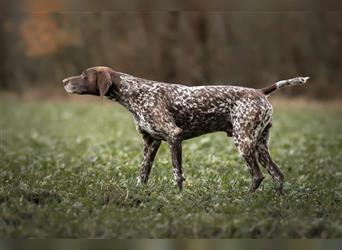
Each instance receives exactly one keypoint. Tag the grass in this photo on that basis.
(69, 170)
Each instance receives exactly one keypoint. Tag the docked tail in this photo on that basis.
(284, 83)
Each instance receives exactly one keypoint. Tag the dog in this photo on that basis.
(174, 112)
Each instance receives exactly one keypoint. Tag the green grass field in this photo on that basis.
(69, 170)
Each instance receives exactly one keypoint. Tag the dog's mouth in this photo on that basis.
(69, 89)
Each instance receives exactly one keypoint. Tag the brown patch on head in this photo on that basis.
(103, 82)
(93, 81)
(104, 78)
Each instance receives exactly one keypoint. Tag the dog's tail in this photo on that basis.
(284, 83)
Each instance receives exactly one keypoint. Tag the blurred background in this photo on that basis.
(69, 169)
(39, 49)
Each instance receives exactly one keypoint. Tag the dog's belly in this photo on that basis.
(202, 111)
(197, 123)
(192, 125)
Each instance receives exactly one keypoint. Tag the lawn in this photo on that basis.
(68, 169)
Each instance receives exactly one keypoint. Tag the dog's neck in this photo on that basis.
(112, 95)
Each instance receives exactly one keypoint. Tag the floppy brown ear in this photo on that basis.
(103, 82)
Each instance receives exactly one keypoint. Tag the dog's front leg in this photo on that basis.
(151, 147)
(175, 143)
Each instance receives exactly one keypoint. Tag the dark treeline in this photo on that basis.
(241, 48)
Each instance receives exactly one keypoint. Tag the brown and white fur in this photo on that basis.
(174, 112)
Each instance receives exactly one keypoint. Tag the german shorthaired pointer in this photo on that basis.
(173, 113)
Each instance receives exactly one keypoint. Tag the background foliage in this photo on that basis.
(241, 48)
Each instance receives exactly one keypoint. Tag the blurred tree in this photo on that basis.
(169, 43)
(246, 48)
(3, 52)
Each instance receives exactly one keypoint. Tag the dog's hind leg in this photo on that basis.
(266, 161)
(245, 141)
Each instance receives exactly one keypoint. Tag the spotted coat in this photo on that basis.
(174, 112)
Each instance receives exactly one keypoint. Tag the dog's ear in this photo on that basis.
(103, 82)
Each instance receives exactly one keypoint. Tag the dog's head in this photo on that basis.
(92, 81)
